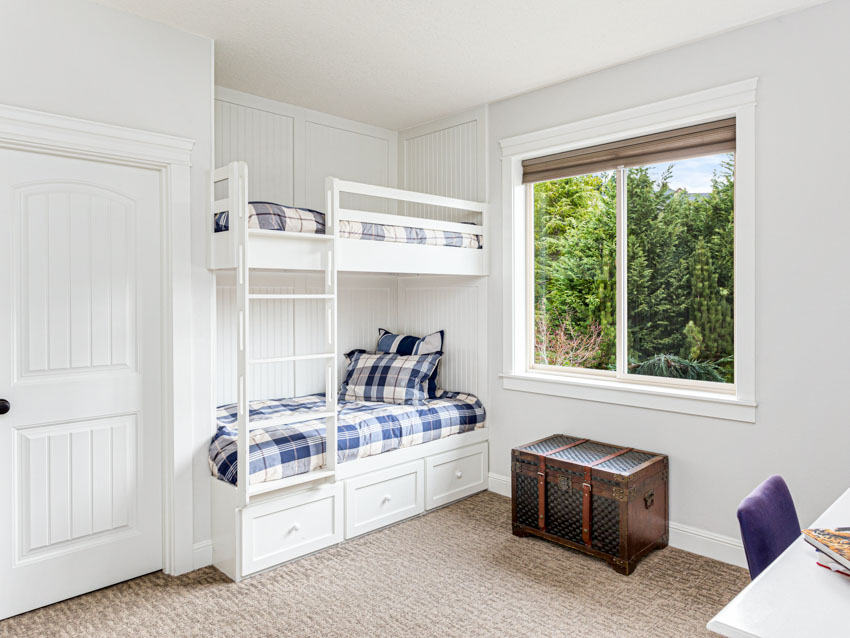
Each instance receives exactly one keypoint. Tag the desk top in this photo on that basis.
(794, 596)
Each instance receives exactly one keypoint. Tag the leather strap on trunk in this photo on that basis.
(541, 483)
(587, 489)
(541, 493)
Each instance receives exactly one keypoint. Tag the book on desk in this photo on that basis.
(833, 547)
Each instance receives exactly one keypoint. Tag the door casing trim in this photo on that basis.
(49, 133)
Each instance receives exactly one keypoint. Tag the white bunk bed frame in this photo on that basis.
(256, 527)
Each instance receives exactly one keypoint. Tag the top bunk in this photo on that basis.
(276, 237)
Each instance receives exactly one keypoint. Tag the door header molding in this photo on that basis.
(48, 132)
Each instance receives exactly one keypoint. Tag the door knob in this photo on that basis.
(5, 406)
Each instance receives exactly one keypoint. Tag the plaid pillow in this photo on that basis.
(407, 345)
(388, 378)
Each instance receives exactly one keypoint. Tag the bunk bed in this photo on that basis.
(393, 460)
(462, 251)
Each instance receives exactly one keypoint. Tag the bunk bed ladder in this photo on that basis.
(237, 188)
(238, 201)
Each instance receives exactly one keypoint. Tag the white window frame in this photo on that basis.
(734, 401)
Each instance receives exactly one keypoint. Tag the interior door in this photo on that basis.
(80, 363)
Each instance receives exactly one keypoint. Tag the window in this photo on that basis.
(672, 222)
(630, 256)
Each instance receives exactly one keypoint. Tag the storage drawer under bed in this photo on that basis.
(453, 475)
(280, 529)
(385, 497)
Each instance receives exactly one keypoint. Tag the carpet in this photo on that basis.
(454, 572)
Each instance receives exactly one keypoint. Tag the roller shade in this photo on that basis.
(691, 141)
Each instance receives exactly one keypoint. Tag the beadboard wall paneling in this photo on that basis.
(284, 327)
(365, 305)
(458, 306)
(348, 155)
(291, 150)
(445, 158)
(265, 141)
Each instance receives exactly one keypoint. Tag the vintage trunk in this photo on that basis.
(605, 500)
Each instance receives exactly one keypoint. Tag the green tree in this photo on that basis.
(575, 256)
(711, 313)
(680, 254)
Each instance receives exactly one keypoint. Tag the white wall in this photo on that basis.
(802, 303)
(84, 60)
(290, 150)
(367, 302)
(802, 225)
(446, 157)
(284, 327)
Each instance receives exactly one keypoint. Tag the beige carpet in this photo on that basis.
(454, 572)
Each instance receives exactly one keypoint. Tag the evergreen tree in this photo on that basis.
(680, 253)
(710, 311)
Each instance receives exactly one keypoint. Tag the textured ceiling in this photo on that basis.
(397, 63)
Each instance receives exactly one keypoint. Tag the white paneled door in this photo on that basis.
(80, 361)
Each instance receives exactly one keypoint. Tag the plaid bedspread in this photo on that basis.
(267, 216)
(364, 429)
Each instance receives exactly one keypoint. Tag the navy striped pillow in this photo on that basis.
(407, 344)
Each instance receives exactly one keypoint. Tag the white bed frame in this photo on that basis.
(256, 527)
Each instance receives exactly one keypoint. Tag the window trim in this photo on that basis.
(736, 100)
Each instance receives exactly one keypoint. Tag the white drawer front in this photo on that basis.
(284, 528)
(455, 474)
(385, 497)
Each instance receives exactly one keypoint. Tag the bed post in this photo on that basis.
(238, 195)
(331, 385)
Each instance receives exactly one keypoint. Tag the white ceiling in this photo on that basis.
(397, 63)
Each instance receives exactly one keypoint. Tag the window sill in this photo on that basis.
(714, 405)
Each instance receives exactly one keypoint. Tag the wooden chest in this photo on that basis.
(605, 500)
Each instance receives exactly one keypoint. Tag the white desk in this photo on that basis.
(794, 597)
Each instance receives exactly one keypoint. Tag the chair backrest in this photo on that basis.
(769, 523)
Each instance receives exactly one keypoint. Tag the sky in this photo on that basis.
(694, 175)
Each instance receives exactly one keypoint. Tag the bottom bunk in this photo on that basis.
(394, 462)
(364, 428)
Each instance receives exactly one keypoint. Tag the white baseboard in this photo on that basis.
(691, 539)
(500, 484)
(201, 554)
(726, 549)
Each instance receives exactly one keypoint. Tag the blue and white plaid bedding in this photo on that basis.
(407, 235)
(364, 429)
(268, 216)
(388, 377)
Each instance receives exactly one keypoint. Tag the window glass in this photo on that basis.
(680, 255)
(575, 245)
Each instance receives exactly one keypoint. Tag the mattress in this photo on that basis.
(363, 429)
(269, 216)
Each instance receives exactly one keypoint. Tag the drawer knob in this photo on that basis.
(296, 527)
(387, 499)
(459, 474)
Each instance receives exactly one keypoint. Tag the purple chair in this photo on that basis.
(769, 523)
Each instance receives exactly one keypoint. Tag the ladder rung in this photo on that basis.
(294, 357)
(291, 296)
(221, 205)
(300, 417)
